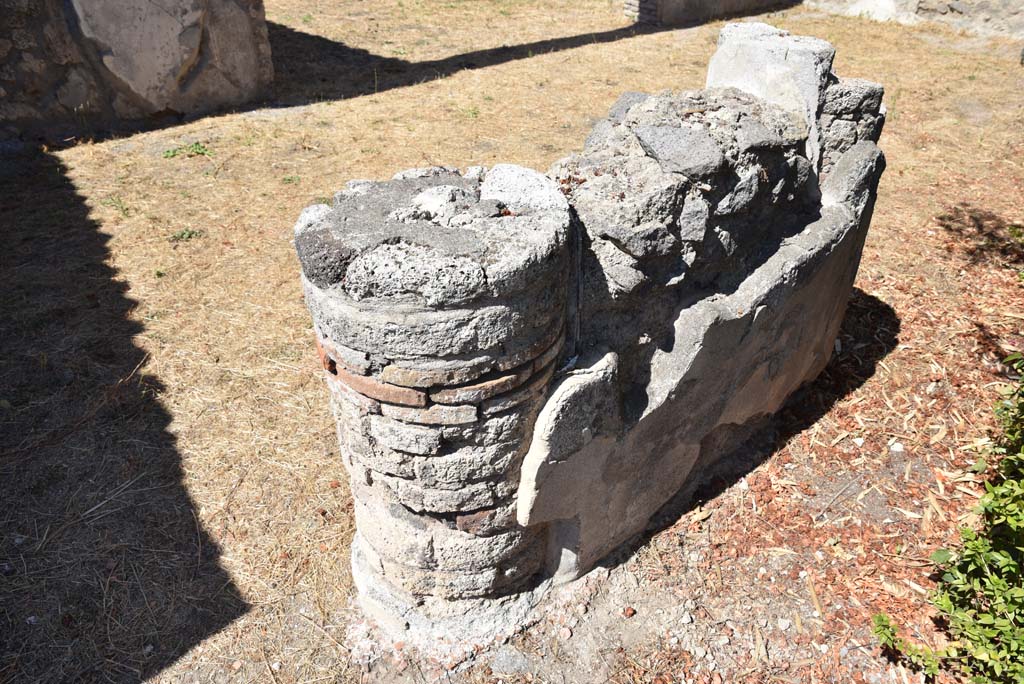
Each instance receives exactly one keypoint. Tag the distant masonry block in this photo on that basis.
(683, 12)
(79, 65)
(525, 368)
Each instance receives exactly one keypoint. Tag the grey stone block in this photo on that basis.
(789, 71)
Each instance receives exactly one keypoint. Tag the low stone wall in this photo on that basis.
(683, 12)
(1005, 17)
(525, 368)
(79, 66)
(1000, 17)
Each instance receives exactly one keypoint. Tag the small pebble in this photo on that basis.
(629, 611)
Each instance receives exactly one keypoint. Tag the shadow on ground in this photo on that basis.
(105, 573)
(869, 332)
(984, 236)
(309, 68)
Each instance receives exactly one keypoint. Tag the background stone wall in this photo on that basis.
(71, 67)
(985, 16)
(679, 12)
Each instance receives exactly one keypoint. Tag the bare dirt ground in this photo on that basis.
(172, 507)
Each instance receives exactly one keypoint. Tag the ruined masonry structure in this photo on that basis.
(996, 17)
(683, 12)
(525, 368)
(78, 65)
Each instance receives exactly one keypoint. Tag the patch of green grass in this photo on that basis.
(290, 180)
(116, 202)
(185, 235)
(919, 657)
(195, 149)
(980, 594)
(307, 18)
(473, 112)
(894, 101)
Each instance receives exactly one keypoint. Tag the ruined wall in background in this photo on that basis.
(1000, 17)
(684, 12)
(1005, 17)
(87, 65)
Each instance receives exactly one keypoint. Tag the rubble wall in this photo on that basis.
(995, 17)
(684, 12)
(998, 17)
(78, 66)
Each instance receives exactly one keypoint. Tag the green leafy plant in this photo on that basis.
(195, 149)
(980, 593)
(116, 202)
(920, 657)
(185, 234)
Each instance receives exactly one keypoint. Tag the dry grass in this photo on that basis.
(188, 363)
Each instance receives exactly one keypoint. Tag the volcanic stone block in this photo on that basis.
(853, 112)
(413, 439)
